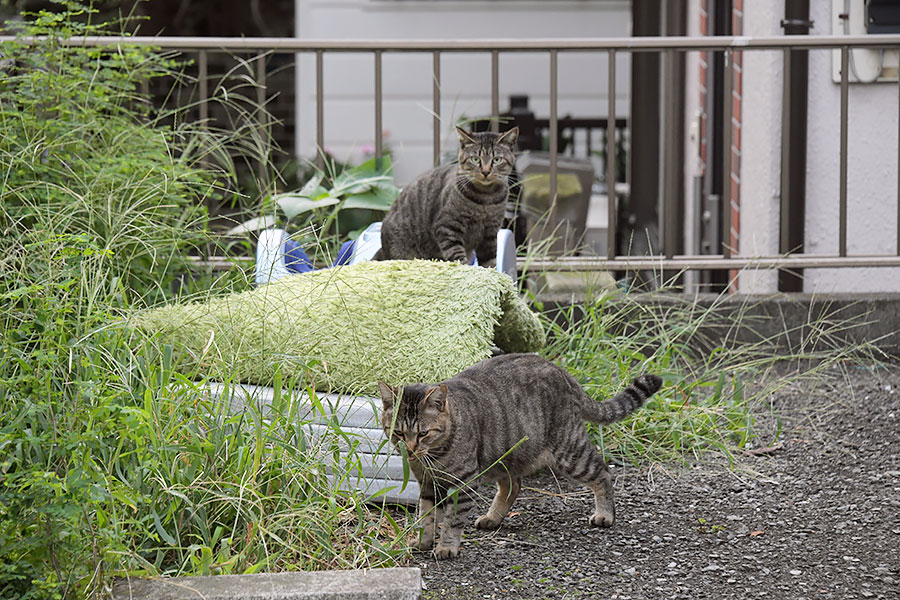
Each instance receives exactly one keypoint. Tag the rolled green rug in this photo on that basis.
(346, 327)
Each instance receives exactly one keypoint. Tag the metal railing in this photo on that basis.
(668, 260)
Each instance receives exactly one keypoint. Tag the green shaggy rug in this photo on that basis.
(346, 327)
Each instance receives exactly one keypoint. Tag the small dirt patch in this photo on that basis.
(814, 513)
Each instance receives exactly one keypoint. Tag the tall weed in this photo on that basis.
(713, 372)
(109, 462)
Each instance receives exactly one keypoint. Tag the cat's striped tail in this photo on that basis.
(624, 403)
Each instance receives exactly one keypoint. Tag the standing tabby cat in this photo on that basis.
(454, 210)
(464, 428)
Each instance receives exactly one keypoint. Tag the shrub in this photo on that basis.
(97, 204)
(110, 463)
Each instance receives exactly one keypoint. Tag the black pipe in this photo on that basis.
(644, 123)
(795, 113)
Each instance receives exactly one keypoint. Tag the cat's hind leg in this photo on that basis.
(507, 491)
(584, 464)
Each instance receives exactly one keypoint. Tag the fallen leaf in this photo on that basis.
(766, 450)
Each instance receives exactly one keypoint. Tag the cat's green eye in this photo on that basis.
(475, 160)
(498, 160)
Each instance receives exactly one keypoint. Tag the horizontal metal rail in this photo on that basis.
(648, 263)
(707, 261)
(636, 44)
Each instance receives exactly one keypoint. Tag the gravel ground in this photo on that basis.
(817, 516)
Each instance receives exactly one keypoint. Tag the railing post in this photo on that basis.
(262, 167)
(611, 159)
(495, 91)
(203, 82)
(784, 212)
(845, 80)
(320, 112)
(670, 178)
(553, 137)
(436, 105)
(728, 99)
(378, 130)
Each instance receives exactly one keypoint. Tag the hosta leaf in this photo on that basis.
(256, 224)
(295, 204)
(378, 199)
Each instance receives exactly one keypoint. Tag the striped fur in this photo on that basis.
(498, 421)
(454, 210)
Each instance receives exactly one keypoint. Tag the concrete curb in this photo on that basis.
(371, 584)
(789, 322)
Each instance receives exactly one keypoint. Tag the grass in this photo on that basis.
(111, 463)
(714, 372)
(230, 489)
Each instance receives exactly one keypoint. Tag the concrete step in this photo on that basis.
(370, 584)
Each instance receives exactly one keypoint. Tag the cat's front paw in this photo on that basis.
(602, 519)
(486, 522)
(444, 552)
(417, 541)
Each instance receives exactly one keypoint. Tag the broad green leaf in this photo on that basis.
(257, 224)
(374, 200)
(206, 559)
(347, 183)
(294, 204)
(310, 186)
(367, 168)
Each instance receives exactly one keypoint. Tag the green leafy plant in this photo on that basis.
(332, 205)
(365, 186)
(75, 155)
(111, 463)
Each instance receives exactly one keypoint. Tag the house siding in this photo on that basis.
(872, 163)
(349, 119)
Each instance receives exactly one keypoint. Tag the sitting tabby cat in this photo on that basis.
(464, 428)
(454, 210)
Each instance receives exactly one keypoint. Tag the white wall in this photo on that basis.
(465, 78)
(761, 145)
(872, 172)
(872, 164)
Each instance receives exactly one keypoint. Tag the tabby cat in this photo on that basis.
(454, 210)
(497, 421)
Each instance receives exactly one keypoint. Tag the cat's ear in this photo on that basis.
(388, 394)
(465, 138)
(509, 137)
(437, 397)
